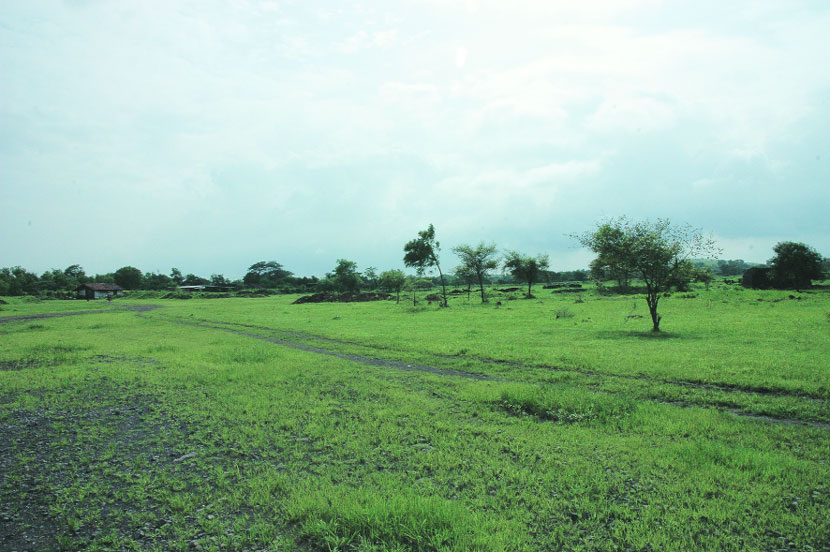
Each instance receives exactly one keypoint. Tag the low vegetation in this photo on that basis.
(256, 424)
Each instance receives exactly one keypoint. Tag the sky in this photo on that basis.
(210, 135)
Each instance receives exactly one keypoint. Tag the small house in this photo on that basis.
(99, 291)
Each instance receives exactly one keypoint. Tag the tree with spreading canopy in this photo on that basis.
(795, 265)
(477, 261)
(422, 253)
(656, 252)
(392, 281)
(267, 274)
(128, 277)
(525, 268)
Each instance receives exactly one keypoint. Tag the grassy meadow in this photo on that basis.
(555, 423)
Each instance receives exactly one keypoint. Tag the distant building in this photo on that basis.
(99, 291)
(757, 277)
(206, 287)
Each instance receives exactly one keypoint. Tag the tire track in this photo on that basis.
(399, 365)
(723, 387)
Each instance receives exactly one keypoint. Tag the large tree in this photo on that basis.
(795, 265)
(267, 274)
(422, 253)
(526, 269)
(128, 277)
(657, 252)
(478, 261)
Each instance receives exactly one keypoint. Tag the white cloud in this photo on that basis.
(362, 40)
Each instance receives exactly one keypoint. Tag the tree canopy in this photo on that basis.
(392, 281)
(795, 265)
(268, 274)
(657, 252)
(525, 268)
(477, 261)
(128, 277)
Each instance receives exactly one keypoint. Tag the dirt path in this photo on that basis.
(725, 387)
(398, 365)
(127, 308)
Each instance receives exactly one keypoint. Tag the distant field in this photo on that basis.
(553, 423)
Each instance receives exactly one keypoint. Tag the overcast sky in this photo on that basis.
(210, 135)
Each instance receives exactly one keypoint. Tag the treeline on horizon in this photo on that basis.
(270, 275)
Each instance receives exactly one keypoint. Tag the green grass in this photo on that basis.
(143, 431)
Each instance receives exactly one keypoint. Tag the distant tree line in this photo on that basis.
(63, 283)
(659, 255)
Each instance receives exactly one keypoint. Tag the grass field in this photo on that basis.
(554, 423)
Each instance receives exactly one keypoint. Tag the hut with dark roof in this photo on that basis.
(99, 291)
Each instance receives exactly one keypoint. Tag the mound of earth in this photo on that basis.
(326, 297)
(571, 285)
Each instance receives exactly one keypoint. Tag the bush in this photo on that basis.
(564, 313)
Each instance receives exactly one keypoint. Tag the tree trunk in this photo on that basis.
(651, 299)
(443, 285)
(481, 286)
(399, 296)
(529, 285)
(414, 303)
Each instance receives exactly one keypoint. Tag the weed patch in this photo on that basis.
(565, 405)
(342, 518)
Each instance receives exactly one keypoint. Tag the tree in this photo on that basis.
(265, 274)
(220, 280)
(478, 261)
(415, 284)
(467, 277)
(76, 272)
(176, 276)
(392, 281)
(422, 253)
(346, 278)
(657, 252)
(193, 280)
(611, 263)
(734, 267)
(704, 275)
(370, 277)
(128, 277)
(795, 265)
(157, 281)
(526, 269)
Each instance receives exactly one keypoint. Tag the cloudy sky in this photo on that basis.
(209, 135)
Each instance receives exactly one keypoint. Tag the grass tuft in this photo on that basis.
(566, 405)
(341, 518)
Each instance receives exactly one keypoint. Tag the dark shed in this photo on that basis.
(99, 291)
(757, 277)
